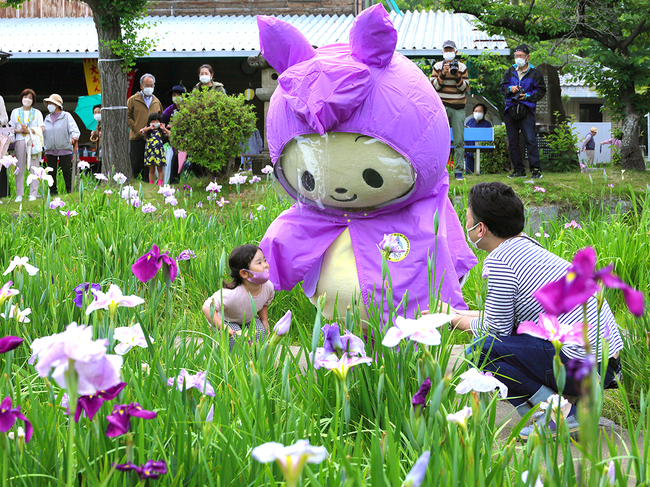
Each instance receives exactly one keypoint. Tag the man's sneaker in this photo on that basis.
(537, 174)
(18, 199)
(517, 175)
(32, 198)
(571, 422)
(459, 176)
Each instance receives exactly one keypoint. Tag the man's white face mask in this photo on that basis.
(471, 242)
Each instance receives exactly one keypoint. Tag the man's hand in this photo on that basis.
(514, 89)
(443, 308)
(522, 96)
(445, 70)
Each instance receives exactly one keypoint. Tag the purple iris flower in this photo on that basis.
(119, 421)
(420, 398)
(9, 343)
(92, 404)
(8, 416)
(147, 266)
(580, 284)
(150, 470)
(580, 368)
(416, 476)
(347, 343)
(83, 288)
(186, 254)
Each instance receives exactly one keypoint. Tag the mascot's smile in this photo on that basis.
(344, 200)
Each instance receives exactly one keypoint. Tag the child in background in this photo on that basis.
(154, 155)
(250, 280)
(96, 135)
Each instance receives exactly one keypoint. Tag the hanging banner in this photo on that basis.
(129, 82)
(93, 82)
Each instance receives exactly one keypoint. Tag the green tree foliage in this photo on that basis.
(486, 72)
(211, 127)
(618, 39)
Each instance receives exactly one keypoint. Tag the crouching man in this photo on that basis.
(516, 267)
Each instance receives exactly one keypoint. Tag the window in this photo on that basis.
(591, 112)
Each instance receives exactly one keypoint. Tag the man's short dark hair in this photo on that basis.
(498, 207)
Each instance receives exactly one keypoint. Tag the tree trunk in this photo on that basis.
(115, 142)
(631, 155)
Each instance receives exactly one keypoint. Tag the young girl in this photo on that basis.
(250, 280)
(154, 154)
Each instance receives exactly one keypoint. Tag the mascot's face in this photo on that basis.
(347, 171)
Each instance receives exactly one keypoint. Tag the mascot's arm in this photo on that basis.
(293, 243)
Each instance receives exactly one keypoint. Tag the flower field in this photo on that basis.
(120, 381)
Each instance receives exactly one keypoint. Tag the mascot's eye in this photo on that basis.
(308, 181)
(373, 178)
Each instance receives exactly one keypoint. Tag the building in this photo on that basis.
(50, 59)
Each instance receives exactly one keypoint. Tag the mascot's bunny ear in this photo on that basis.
(282, 45)
(373, 37)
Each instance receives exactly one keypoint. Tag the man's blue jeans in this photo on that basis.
(525, 363)
(527, 127)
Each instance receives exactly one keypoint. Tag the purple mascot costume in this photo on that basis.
(360, 139)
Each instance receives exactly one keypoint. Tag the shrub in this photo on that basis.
(498, 159)
(211, 127)
(563, 142)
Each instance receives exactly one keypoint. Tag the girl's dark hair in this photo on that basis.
(206, 66)
(240, 258)
(96, 107)
(152, 117)
(28, 92)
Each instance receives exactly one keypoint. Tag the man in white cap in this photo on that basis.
(589, 145)
(450, 80)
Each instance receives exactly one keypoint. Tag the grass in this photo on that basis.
(258, 399)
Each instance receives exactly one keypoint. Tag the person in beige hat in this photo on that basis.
(589, 145)
(61, 132)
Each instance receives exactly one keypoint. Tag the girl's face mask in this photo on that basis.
(259, 277)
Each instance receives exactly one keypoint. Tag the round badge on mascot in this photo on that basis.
(359, 137)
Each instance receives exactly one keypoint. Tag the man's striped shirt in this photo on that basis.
(516, 269)
(452, 91)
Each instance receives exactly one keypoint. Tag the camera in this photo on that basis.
(453, 68)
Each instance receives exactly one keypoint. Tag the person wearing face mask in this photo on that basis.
(96, 135)
(231, 305)
(171, 170)
(206, 82)
(515, 268)
(139, 107)
(476, 120)
(28, 128)
(60, 133)
(450, 80)
(154, 155)
(523, 86)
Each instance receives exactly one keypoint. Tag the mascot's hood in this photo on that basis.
(362, 87)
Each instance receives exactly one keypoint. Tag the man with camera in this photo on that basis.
(523, 86)
(450, 80)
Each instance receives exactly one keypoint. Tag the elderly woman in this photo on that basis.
(61, 133)
(206, 82)
(28, 126)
